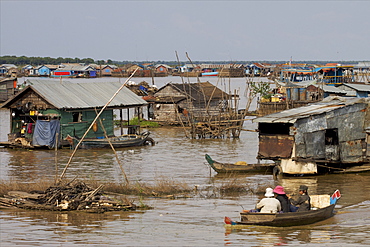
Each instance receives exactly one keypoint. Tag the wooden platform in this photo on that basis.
(355, 169)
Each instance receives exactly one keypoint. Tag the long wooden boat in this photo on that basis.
(129, 140)
(212, 73)
(288, 219)
(238, 167)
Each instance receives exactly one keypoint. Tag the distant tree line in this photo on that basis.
(23, 60)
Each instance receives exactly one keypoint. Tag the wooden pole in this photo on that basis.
(114, 150)
(187, 101)
(120, 122)
(56, 156)
(93, 122)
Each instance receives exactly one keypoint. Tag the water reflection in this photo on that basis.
(44, 228)
(192, 221)
(85, 222)
(275, 236)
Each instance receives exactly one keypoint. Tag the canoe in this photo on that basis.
(238, 167)
(288, 219)
(130, 140)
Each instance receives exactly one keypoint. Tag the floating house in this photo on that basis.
(45, 70)
(355, 90)
(27, 70)
(361, 72)
(106, 70)
(75, 70)
(65, 108)
(303, 84)
(177, 100)
(8, 70)
(8, 88)
(162, 70)
(332, 135)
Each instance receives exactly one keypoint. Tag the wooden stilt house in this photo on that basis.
(66, 109)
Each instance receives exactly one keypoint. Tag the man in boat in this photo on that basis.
(303, 203)
(283, 198)
(269, 204)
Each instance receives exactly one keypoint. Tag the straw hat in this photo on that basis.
(279, 190)
(269, 192)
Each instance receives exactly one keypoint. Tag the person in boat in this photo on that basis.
(269, 204)
(303, 203)
(283, 198)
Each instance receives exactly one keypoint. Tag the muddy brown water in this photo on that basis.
(196, 221)
(192, 221)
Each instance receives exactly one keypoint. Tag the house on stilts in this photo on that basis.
(206, 109)
(47, 113)
(332, 135)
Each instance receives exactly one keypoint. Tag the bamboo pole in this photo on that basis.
(93, 122)
(187, 100)
(114, 150)
(56, 156)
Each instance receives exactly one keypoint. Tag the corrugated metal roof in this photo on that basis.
(75, 67)
(332, 89)
(292, 115)
(358, 87)
(84, 95)
(198, 91)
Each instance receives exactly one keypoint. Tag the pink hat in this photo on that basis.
(279, 190)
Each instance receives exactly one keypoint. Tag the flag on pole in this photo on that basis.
(336, 195)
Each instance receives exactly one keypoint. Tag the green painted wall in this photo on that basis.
(77, 129)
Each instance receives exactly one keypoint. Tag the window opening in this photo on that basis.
(77, 116)
(331, 137)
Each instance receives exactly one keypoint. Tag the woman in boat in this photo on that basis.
(283, 198)
(303, 203)
(269, 204)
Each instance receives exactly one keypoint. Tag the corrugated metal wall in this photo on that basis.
(349, 121)
(5, 119)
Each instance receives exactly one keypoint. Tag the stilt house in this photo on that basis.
(330, 135)
(176, 101)
(49, 107)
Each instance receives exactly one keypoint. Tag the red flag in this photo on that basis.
(336, 194)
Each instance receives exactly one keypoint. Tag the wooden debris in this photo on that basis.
(74, 195)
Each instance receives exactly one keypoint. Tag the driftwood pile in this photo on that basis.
(74, 195)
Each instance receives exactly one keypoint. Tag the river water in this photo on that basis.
(195, 221)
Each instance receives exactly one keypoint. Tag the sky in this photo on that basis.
(205, 30)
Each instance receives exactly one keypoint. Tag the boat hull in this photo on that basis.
(287, 219)
(118, 142)
(234, 168)
(210, 74)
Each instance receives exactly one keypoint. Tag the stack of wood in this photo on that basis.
(74, 195)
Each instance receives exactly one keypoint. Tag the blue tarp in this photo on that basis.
(45, 133)
(143, 88)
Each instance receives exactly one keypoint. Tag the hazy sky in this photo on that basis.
(207, 30)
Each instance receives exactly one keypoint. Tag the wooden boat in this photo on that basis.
(212, 73)
(291, 218)
(239, 166)
(129, 140)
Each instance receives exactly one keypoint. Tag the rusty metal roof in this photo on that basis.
(326, 105)
(197, 91)
(84, 95)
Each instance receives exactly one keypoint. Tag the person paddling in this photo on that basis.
(303, 203)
